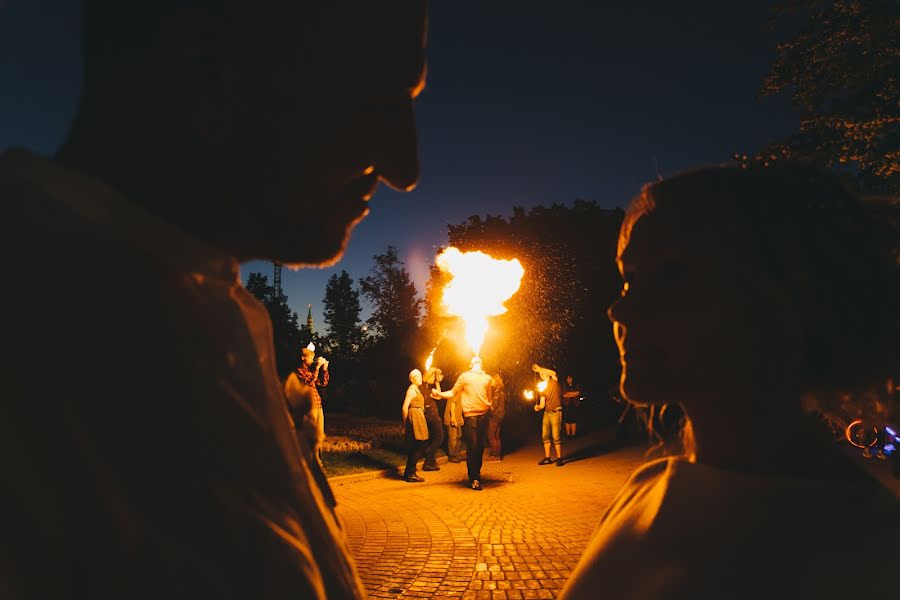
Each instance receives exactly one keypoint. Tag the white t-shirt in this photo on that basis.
(684, 530)
(474, 391)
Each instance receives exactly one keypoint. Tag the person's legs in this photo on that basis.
(556, 432)
(474, 432)
(317, 417)
(493, 436)
(416, 452)
(454, 437)
(545, 437)
(435, 439)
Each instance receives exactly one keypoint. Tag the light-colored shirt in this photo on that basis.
(474, 391)
(683, 530)
(145, 446)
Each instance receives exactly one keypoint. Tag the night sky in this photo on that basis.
(527, 103)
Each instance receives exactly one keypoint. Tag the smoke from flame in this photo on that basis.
(479, 286)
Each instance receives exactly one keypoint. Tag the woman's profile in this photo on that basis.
(747, 292)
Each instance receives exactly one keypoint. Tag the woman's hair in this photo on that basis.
(413, 373)
(817, 243)
(432, 374)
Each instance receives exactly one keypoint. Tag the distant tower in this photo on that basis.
(309, 321)
(276, 279)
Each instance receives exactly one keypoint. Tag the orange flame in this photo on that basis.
(429, 360)
(479, 286)
(528, 394)
(541, 386)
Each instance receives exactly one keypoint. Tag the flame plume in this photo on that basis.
(479, 286)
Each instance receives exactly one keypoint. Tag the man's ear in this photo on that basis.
(196, 60)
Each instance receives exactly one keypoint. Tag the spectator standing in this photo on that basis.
(433, 418)
(453, 419)
(571, 401)
(498, 412)
(415, 426)
(316, 377)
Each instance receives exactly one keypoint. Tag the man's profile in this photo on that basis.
(145, 447)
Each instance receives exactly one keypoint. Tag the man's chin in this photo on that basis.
(321, 247)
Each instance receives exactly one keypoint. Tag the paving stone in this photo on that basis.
(439, 539)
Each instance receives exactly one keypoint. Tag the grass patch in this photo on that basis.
(359, 444)
(373, 459)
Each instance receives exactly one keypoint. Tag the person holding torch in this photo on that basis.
(551, 424)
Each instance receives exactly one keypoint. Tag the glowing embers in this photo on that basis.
(479, 286)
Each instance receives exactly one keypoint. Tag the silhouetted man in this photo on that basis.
(208, 133)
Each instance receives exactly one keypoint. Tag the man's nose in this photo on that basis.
(398, 164)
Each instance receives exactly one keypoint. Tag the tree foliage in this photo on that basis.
(396, 306)
(842, 69)
(395, 346)
(341, 310)
(288, 335)
(558, 316)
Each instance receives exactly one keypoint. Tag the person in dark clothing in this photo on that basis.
(208, 133)
(416, 428)
(498, 411)
(434, 421)
(571, 400)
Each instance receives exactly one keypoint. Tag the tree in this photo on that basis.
(393, 296)
(842, 69)
(395, 347)
(342, 310)
(286, 332)
(258, 285)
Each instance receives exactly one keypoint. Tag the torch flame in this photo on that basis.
(541, 386)
(528, 394)
(479, 286)
(429, 360)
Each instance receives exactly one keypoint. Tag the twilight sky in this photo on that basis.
(528, 102)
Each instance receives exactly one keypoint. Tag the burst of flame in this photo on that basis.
(528, 394)
(542, 386)
(429, 360)
(479, 286)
